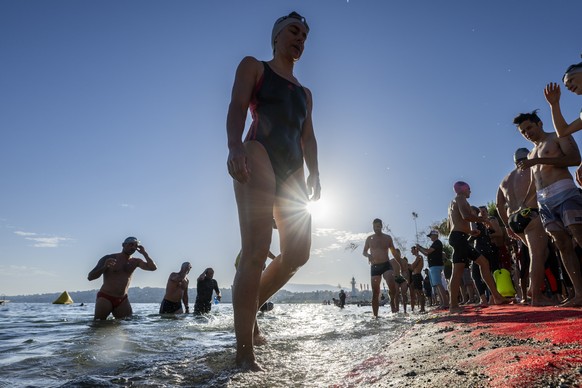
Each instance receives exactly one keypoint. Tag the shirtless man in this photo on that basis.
(376, 250)
(177, 291)
(117, 270)
(460, 218)
(559, 199)
(517, 207)
(417, 286)
(573, 81)
(401, 278)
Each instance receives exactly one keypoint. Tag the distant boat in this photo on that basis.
(3, 300)
(64, 298)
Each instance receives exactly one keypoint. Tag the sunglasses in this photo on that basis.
(294, 15)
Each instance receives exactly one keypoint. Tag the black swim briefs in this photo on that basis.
(169, 307)
(417, 281)
(462, 250)
(519, 220)
(379, 269)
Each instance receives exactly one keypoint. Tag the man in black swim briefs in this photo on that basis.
(401, 278)
(376, 250)
(177, 291)
(380, 269)
(269, 178)
(460, 218)
(117, 270)
(517, 207)
(417, 280)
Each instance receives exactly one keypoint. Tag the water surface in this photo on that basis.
(46, 345)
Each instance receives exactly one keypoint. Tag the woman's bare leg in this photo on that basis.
(255, 201)
(294, 226)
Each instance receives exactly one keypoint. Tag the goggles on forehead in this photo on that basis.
(294, 15)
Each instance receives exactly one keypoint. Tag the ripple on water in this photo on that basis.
(309, 345)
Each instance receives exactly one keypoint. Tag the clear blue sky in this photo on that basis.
(112, 123)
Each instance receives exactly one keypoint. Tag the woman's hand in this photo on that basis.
(237, 164)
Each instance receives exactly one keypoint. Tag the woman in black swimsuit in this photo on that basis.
(269, 179)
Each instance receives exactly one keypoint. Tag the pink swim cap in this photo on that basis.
(461, 187)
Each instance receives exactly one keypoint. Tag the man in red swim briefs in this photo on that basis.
(117, 270)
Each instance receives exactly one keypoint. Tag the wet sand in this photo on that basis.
(497, 346)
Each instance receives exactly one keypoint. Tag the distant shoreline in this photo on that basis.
(156, 294)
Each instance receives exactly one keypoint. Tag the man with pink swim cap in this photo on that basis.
(460, 218)
(461, 187)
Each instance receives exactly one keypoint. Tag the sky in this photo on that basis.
(112, 124)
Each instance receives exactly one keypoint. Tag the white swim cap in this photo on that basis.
(283, 22)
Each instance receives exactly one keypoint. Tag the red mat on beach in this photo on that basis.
(558, 329)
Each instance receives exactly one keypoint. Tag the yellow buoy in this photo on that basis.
(503, 282)
(64, 298)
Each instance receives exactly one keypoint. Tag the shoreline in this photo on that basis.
(497, 346)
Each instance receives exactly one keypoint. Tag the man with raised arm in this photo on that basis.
(436, 266)
(376, 250)
(117, 270)
(559, 200)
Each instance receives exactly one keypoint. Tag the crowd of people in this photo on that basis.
(527, 248)
(539, 206)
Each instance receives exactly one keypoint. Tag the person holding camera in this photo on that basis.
(204, 287)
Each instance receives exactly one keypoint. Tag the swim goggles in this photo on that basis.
(527, 211)
(294, 15)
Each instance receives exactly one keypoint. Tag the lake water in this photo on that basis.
(311, 345)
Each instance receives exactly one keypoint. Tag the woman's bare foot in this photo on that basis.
(259, 340)
(247, 362)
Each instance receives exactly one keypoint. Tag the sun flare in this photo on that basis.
(319, 210)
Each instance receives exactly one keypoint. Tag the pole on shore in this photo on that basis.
(414, 217)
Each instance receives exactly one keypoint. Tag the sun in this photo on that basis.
(319, 210)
